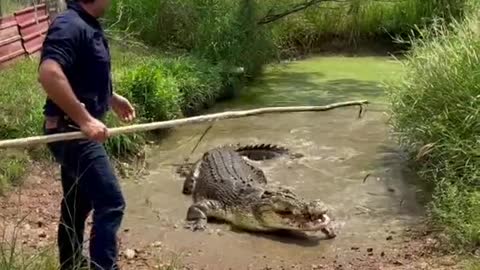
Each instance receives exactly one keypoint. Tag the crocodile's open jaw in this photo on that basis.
(283, 210)
(304, 221)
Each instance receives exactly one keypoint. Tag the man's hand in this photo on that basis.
(95, 130)
(122, 108)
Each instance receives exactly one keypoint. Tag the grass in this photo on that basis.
(436, 112)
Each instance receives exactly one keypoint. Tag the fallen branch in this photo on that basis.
(43, 139)
(294, 9)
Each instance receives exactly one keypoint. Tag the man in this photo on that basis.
(75, 74)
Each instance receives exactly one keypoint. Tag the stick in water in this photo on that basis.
(44, 139)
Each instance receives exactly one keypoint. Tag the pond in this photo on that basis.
(339, 150)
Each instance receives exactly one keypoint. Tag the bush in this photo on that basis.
(153, 92)
(435, 110)
(198, 82)
(172, 87)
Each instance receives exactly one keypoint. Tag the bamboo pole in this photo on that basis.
(44, 139)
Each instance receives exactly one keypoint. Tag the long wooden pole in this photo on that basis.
(43, 139)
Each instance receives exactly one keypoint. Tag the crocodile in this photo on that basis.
(224, 185)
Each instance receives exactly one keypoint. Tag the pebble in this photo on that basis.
(129, 254)
(40, 223)
(157, 244)
(423, 265)
(42, 235)
(397, 263)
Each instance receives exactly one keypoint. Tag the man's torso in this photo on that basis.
(89, 74)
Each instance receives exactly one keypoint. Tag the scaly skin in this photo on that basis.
(225, 186)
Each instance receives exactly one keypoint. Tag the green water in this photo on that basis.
(340, 150)
(319, 80)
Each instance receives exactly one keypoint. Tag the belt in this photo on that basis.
(53, 122)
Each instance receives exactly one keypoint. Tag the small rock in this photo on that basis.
(42, 235)
(382, 254)
(397, 263)
(27, 227)
(389, 238)
(354, 248)
(129, 254)
(369, 250)
(157, 244)
(40, 223)
(423, 265)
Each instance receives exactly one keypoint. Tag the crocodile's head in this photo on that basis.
(282, 209)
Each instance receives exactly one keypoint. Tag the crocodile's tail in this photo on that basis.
(263, 151)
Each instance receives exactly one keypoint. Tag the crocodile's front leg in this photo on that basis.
(198, 213)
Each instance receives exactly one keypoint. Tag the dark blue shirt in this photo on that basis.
(76, 40)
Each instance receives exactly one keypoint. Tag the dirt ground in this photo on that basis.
(37, 203)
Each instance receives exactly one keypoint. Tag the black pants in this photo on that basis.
(88, 183)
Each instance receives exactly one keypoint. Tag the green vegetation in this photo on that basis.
(226, 30)
(7, 7)
(357, 21)
(12, 257)
(436, 110)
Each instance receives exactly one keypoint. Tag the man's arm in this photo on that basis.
(58, 89)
